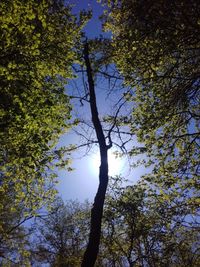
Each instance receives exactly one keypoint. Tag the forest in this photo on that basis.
(146, 63)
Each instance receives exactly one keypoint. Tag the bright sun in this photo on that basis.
(114, 164)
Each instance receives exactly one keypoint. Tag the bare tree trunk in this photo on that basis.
(92, 249)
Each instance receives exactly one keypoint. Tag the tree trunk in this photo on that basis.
(92, 249)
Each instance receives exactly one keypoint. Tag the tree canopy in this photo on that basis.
(62, 234)
(137, 230)
(37, 49)
(156, 47)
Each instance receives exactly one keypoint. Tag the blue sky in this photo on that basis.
(82, 183)
(93, 28)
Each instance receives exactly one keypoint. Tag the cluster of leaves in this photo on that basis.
(62, 234)
(37, 40)
(141, 229)
(137, 230)
(156, 46)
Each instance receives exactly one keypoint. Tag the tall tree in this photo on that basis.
(91, 252)
(95, 68)
(37, 41)
(156, 46)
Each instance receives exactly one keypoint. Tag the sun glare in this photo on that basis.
(114, 164)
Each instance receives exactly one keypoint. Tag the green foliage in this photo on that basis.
(140, 229)
(37, 40)
(14, 249)
(156, 48)
(155, 45)
(62, 234)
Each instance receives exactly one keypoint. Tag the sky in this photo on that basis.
(93, 27)
(82, 183)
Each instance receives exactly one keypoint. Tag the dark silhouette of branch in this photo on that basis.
(114, 123)
(92, 249)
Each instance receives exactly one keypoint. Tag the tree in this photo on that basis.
(141, 230)
(137, 230)
(158, 41)
(100, 129)
(61, 234)
(36, 53)
(156, 48)
(14, 241)
(163, 59)
(92, 249)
